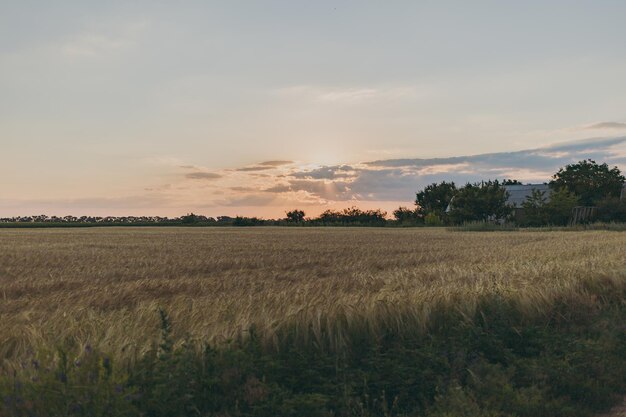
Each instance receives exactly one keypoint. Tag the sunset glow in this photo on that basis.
(257, 108)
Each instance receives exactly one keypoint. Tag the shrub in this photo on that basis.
(431, 219)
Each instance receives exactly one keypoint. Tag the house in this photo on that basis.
(518, 194)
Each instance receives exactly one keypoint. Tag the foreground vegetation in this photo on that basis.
(310, 321)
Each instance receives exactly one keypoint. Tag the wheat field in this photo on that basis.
(103, 287)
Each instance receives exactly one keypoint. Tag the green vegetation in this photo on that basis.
(499, 362)
(479, 202)
(590, 181)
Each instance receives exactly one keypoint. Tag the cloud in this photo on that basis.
(381, 183)
(202, 176)
(243, 189)
(538, 158)
(249, 200)
(327, 190)
(275, 163)
(326, 173)
(348, 95)
(399, 179)
(256, 168)
(606, 125)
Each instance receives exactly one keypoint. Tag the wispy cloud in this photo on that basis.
(203, 176)
(253, 169)
(398, 179)
(275, 163)
(606, 125)
(383, 183)
(347, 94)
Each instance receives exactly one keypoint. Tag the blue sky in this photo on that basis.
(162, 108)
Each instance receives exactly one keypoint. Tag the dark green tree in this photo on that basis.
(511, 182)
(189, 219)
(535, 213)
(480, 201)
(590, 181)
(353, 215)
(295, 216)
(558, 209)
(434, 198)
(405, 215)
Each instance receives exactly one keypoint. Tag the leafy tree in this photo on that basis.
(189, 219)
(590, 181)
(535, 209)
(295, 216)
(480, 201)
(405, 215)
(559, 209)
(353, 215)
(511, 182)
(434, 198)
(248, 221)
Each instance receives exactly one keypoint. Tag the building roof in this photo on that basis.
(519, 193)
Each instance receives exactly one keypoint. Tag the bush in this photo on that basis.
(431, 219)
(611, 209)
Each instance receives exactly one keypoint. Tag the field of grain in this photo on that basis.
(103, 287)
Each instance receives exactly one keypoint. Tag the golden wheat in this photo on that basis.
(104, 286)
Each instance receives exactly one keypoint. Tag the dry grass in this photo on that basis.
(104, 286)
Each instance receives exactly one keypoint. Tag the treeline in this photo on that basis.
(349, 216)
(586, 184)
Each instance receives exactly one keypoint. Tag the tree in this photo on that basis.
(559, 209)
(511, 182)
(589, 181)
(434, 198)
(189, 219)
(295, 216)
(480, 201)
(535, 209)
(405, 215)
(353, 215)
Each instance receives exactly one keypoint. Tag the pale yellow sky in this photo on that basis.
(156, 108)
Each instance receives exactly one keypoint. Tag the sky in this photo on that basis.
(254, 108)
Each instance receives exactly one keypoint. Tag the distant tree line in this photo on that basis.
(585, 183)
(352, 216)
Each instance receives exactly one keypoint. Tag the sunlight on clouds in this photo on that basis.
(283, 185)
